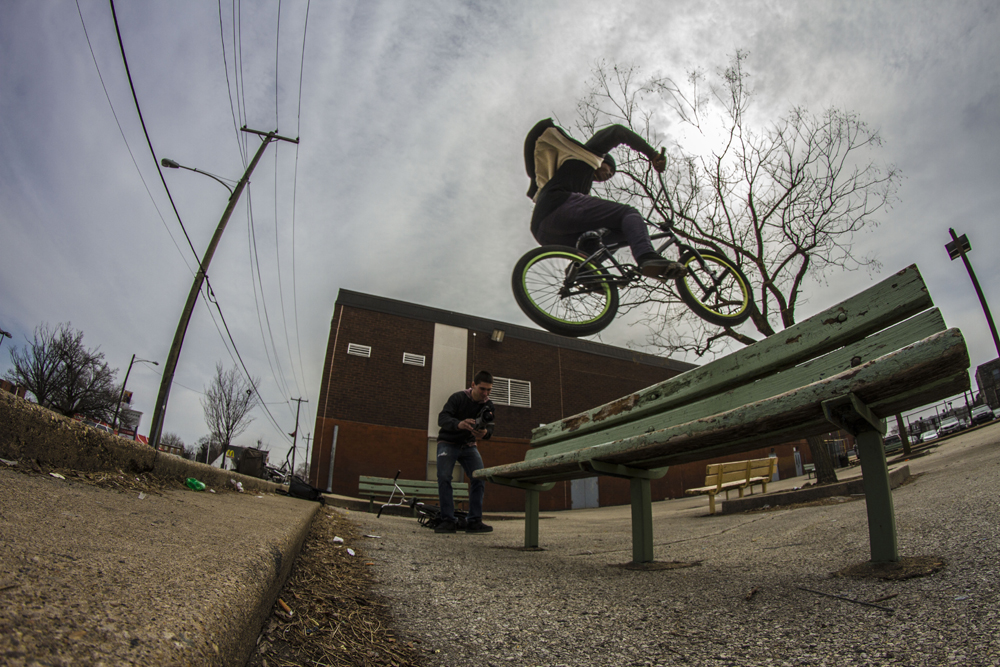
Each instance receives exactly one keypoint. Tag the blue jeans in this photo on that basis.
(471, 461)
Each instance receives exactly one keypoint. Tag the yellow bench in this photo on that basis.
(737, 475)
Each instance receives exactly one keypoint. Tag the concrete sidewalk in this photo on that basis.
(735, 590)
(94, 576)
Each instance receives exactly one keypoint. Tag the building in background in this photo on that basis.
(988, 380)
(391, 365)
(13, 388)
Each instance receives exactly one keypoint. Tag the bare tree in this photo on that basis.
(784, 199)
(228, 403)
(36, 365)
(64, 375)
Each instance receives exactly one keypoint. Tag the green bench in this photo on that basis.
(384, 488)
(872, 356)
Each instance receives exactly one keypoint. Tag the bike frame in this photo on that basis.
(630, 272)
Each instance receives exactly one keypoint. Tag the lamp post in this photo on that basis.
(156, 426)
(170, 164)
(114, 421)
(4, 334)
(960, 247)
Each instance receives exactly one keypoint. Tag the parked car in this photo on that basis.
(927, 436)
(892, 442)
(948, 426)
(982, 414)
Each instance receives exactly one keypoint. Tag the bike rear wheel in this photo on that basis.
(560, 291)
(723, 300)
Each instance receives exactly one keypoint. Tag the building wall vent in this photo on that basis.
(516, 393)
(359, 350)
(414, 359)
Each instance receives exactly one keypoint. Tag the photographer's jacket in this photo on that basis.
(460, 407)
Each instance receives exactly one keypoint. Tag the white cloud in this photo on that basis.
(410, 177)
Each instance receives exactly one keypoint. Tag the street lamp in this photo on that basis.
(156, 426)
(114, 421)
(4, 334)
(960, 247)
(170, 164)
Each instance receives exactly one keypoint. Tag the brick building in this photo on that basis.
(988, 380)
(391, 365)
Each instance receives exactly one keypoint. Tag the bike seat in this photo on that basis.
(590, 241)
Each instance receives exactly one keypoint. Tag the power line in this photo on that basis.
(135, 98)
(281, 288)
(238, 46)
(124, 139)
(279, 377)
(274, 422)
(225, 68)
(295, 184)
(277, 50)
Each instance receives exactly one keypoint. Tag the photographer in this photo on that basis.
(466, 418)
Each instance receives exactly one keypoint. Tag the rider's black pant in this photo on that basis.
(583, 213)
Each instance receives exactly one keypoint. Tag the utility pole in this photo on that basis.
(308, 438)
(295, 433)
(156, 426)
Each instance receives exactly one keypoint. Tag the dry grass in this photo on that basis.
(333, 616)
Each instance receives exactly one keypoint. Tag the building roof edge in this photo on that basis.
(388, 306)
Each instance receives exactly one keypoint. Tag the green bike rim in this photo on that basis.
(605, 291)
(744, 288)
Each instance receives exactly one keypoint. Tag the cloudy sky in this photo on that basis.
(408, 180)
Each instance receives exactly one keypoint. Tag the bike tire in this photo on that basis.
(585, 307)
(727, 306)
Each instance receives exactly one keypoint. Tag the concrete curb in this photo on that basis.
(231, 622)
(850, 487)
(29, 431)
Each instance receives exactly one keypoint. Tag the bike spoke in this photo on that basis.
(583, 301)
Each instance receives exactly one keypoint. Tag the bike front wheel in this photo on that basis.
(714, 288)
(560, 291)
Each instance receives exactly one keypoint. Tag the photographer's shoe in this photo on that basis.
(477, 526)
(446, 526)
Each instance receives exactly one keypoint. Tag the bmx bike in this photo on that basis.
(575, 291)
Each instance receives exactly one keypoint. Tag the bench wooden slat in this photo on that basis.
(920, 327)
(383, 486)
(792, 415)
(891, 301)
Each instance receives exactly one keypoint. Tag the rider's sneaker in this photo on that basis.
(477, 526)
(651, 264)
(446, 526)
(674, 271)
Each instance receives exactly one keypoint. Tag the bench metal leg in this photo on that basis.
(878, 498)
(531, 490)
(531, 519)
(851, 414)
(642, 521)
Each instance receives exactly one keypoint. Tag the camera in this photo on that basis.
(484, 421)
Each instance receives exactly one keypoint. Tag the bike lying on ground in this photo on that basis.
(428, 516)
(574, 291)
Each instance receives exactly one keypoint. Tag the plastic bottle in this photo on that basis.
(194, 484)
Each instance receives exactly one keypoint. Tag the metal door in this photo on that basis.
(583, 493)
